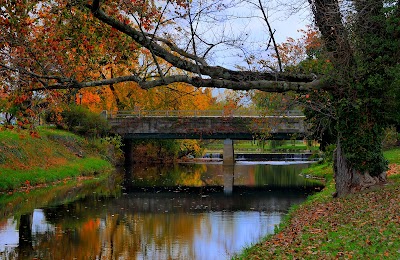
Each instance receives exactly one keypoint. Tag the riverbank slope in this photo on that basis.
(49, 155)
(365, 225)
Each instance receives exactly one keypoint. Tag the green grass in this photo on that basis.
(393, 155)
(12, 179)
(250, 146)
(365, 225)
(361, 226)
(320, 170)
(53, 131)
(54, 156)
(9, 135)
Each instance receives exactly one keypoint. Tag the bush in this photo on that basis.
(152, 150)
(328, 154)
(391, 138)
(109, 148)
(189, 147)
(82, 121)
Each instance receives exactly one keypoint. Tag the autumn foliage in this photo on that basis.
(83, 49)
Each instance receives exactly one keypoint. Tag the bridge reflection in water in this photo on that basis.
(168, 212)
(205, 125)
(217, 177)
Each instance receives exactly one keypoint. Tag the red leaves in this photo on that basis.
(34, 134)
(19, 99)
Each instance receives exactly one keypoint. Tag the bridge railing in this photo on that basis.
(196, 113)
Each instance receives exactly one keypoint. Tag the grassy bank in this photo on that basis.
(57, 193)
(365, 225)
(254, 147)
(28, 159)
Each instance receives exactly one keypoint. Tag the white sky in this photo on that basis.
(284, 22)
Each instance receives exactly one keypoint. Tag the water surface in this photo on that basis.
(187, 211)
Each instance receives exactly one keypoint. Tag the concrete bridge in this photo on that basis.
(215, 124)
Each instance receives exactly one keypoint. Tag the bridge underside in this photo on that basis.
(224, 128)
(221, 136)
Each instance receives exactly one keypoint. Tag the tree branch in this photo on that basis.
(96, 83)
(271, 33)
(263, 85)
(189, 66)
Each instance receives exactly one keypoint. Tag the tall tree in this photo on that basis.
(364, 54)
(361, 38)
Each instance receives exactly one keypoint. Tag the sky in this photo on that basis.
(283, 22)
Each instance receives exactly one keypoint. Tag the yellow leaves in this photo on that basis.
(177, 96)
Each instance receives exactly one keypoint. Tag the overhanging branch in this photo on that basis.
(188, 63)
(193, 69)
(263, 85)
(96, 83)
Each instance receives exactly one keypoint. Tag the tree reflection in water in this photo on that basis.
(178, 213)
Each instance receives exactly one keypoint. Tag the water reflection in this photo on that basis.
(177, 213)
(249, 174)
(229, 178)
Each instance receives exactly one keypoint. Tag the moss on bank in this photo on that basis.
(29, 159)
(365, 225)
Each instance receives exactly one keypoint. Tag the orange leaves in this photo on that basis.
(177, 96)
(293, 51)
(394, 169)
(34, 134)
(229, 108)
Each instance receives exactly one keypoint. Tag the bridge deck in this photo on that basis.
(204, 125)
(197, 113)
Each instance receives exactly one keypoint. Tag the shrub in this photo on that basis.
(112, 149)
(189, 147)
(152, 150)
(390, 138)
(82, 121)
(328, 154)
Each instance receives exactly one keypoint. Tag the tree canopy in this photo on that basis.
(82, 36)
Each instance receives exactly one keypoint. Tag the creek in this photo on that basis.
(183, 211)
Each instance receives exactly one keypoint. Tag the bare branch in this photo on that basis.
(178, 50)
(193, 70)
(271, 33)
(189, 66)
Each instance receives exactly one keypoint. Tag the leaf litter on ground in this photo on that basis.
(365, 225)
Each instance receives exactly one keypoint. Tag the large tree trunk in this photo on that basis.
(348, 180)
(360, 81)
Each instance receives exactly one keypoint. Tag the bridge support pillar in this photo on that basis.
(229, 155)
(229, 173)
(128, 153)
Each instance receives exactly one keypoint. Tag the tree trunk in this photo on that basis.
(25, 246)
(347, 179)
